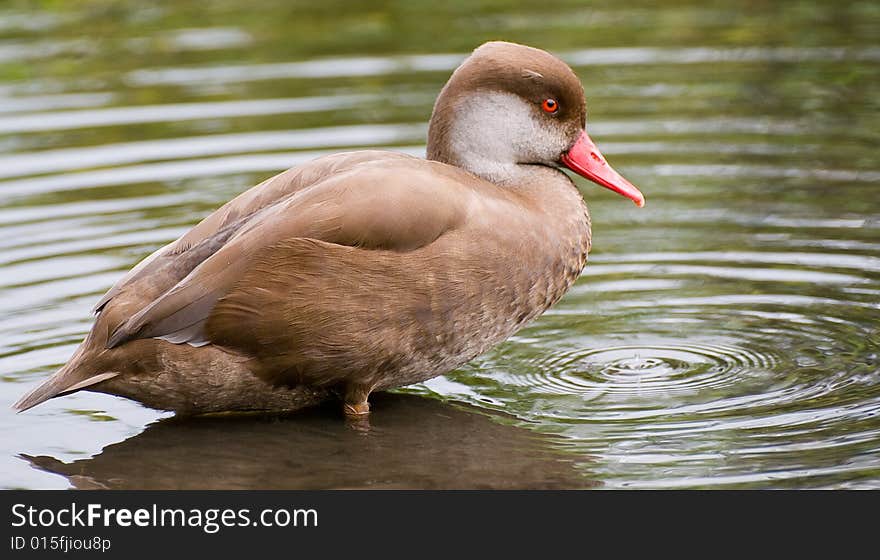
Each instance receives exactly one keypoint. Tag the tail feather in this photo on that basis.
(66, 380)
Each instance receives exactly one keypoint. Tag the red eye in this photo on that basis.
(550, 105)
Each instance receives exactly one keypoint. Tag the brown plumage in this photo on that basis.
(361, 271)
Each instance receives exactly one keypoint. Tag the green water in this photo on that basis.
(725, 336)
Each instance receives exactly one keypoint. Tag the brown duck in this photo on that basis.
(363, 271)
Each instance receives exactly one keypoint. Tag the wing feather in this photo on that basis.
(395, 207)
(167, 266)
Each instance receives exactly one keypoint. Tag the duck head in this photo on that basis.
(508, 106)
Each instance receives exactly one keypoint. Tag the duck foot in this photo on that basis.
(356, 409)
(355, 400)
(357, 416)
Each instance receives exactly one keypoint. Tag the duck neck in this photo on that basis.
(476, 134)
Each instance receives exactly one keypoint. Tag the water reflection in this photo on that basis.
(411, 442)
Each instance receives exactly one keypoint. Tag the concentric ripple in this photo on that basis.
(645, 370)
(711, 389)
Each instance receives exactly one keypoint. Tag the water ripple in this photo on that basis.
(642, 370)
(378, 66)
(169, 171)
(47, 161)
(175, 112)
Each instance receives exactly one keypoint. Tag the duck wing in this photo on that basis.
(398, 205)
(163, 269)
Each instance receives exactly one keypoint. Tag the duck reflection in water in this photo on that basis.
(415, 443)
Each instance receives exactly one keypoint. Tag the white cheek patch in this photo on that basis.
(492, 132)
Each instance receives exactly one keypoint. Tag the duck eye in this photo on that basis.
(550, 105)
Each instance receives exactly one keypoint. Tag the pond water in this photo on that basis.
(725, 336)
